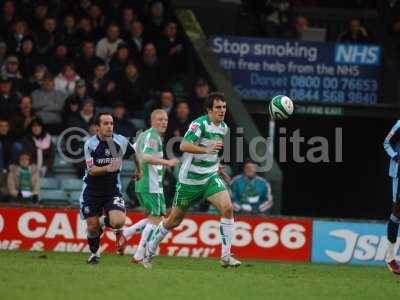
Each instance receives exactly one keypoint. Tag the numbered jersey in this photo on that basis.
(150, 142)
(197, 169)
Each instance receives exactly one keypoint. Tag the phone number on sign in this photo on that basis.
(334, 83)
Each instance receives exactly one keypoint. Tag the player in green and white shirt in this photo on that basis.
(199, 177)
(149, 188)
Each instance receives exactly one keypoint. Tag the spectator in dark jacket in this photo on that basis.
(156, 20)
(85, 31)
(87, 61)
(132, 88)
(38, 143)
(68, 33)
(152, 69)
(84, 118)
(165, 102)
(103, 88)
(119, 59)
(356, 33)
(47, 37)
(197, 101)
(6, 145)
(136, 40)
(6, 156)
(172, 50)
(179, 123)
(121, 123)
(23, 118)
(8, 99)
(28, 57)
(14, 39)
(59, 59)
(36, 80)
(7, 17)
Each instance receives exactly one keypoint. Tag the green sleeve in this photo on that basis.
(194, 132)
(150, 145)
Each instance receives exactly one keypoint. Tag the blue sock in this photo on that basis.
(393, 229)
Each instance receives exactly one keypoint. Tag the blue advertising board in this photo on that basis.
(354, 243)
(305, 71)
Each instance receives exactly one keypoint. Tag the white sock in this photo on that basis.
(135, 228)
(226, 230)
(146, 234)
(390, 252)
(159, 234)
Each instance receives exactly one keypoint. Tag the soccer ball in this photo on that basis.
(280, 107)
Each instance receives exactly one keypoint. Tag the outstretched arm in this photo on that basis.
(391, 140)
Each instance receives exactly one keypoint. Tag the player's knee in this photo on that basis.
(227, 210)
(92, 228)
(117, 224)
(396, 209)
(171, 223)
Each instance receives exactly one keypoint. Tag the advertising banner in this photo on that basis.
(62, 230)
(305, 71)
(354, 243)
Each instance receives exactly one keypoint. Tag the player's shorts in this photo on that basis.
(154, 203)
(395, 189)
(91, 206)
(188, 195)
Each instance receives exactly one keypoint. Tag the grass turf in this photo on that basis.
(42, 276)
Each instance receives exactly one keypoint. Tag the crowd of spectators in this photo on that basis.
(61, 62)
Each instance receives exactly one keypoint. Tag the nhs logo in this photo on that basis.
(357, 54)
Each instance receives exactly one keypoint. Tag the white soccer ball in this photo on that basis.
(280, 107)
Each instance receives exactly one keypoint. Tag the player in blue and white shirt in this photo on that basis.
(101, 193)
(392, 147)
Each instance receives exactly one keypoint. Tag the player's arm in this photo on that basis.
(265, 196)
(131, 151)
(192, 136)
(112, 167)
(96, 170)
(391, 140)
(152, 160)
(151, 146)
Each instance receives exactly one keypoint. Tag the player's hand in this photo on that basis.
(138, 174)
(114, 165)
(221, 171)
(172, 163)
(246, 207)
(214, 148)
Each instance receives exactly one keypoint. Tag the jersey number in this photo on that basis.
(118, 201)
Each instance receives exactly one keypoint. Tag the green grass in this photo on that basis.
(57, 276)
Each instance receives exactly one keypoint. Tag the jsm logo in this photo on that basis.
(357, 54)
(361, 247)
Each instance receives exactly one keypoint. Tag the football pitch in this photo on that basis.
(36, 275)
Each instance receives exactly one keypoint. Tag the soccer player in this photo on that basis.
(149, 189)
(101, 189)
(199, 178)
(392, 147)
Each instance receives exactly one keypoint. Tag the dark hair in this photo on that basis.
(98, 117)
(118, 104)
(37, 121)
(23, 152)
(212, 97)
